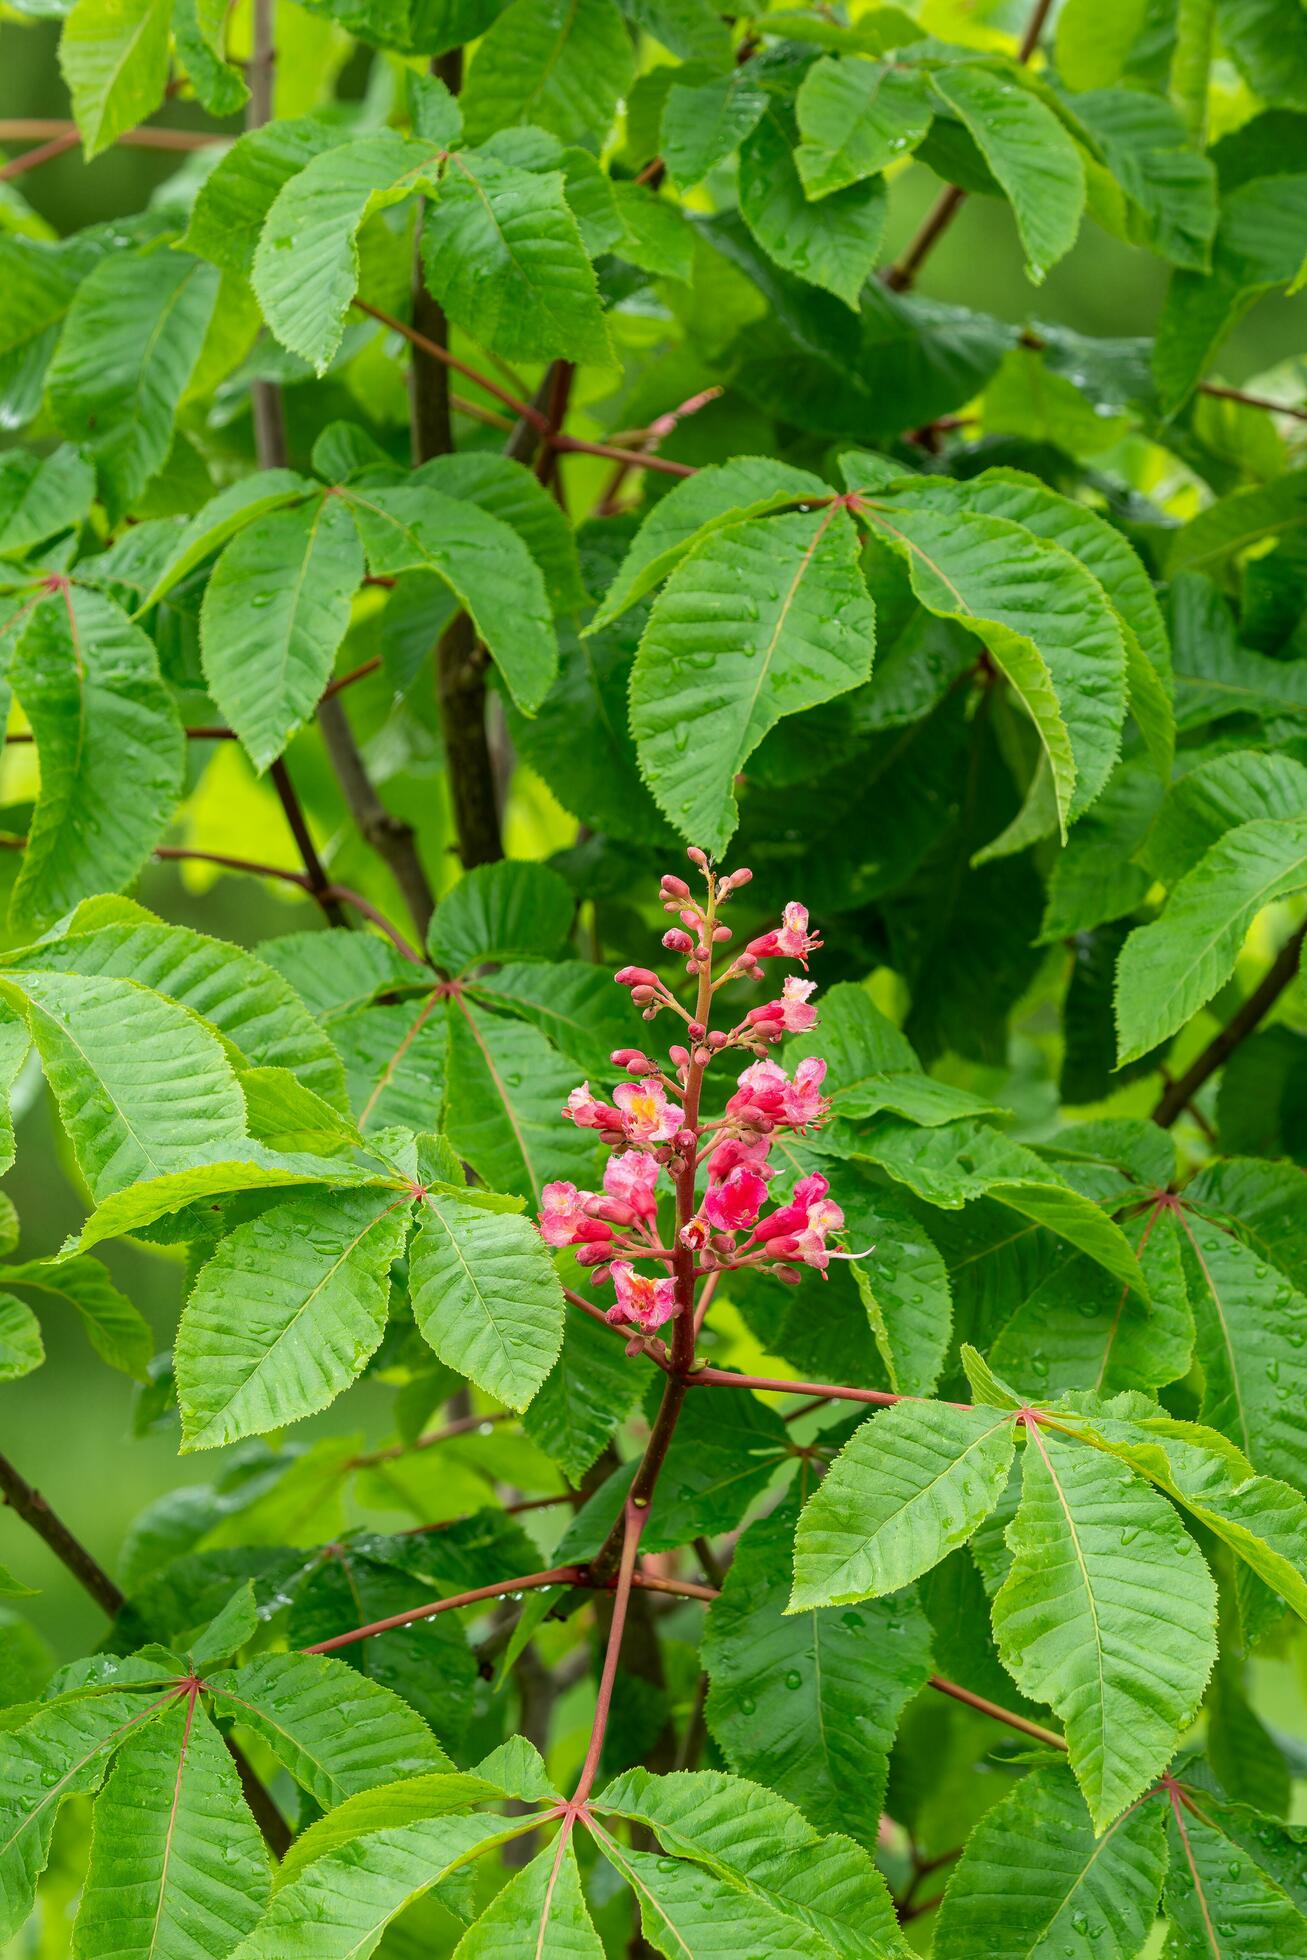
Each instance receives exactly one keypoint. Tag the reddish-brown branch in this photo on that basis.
(43, 153)
(558, 1575)
(215, 732)
(24, 129)
(824, 1391)
(461, 1426)
(634, 1516)
(443, 355)
(1000, 1714)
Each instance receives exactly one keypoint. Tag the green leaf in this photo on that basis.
(1268, 45)
(576, 1005)
(704, 120)
(1093, 1551)
(1171, 968)
(717, 497)
(1034, 1878)
(249, 1004)
(394, 1063)
(482, 561)
(127, 352)
(1246, 1317)
(758, 622)
(752, 1839)
(1218, 1898)
(234, 1627)
(832, 244)
(1030, 154)
(1038, 611)
(687, 1908)
(856, 118)
(436, 1793)
(1093, 42)
(499, 912)
(562, 65)
(588, 1393)
(1212, 798)
(507, 1087)
(502, 254)
(142, 1086)
(809, 1703)
(114, 57)
(510, 492)
(485, 1295)
(172, 1844)
(911, 1486)
(42, 496)
(116, 1329)
(336, 1731)
(61, 1750)
(286, 1312)
(727, 1448)
(543, 1903)
(21, 1348)
(1172, 189)
(235, 198)
(276, 609)
(306, 266)
(338, 1906)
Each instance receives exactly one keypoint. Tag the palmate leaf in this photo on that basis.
(501, 912)
(755, 1840)
(178, 1869)
(507, 1085)
(21, 1347)
(286, 1312)
(232, 990)
(509, 491)
(1098, 1559)
(484, 563)
(485, 1294)
(62, 1750)
(1220, 1898)
(758, 622)
(1034, 1879)
(127, 352)
(336, 1731)
(543, 1904)
(808, 1704)
(276, 608)
(574, 1005)
(143, 1087)
(1171, 968)
(687, 1908)
(337, 1907)
(910, 1487)
(111, 749)
(394, 1059)
(502, 253)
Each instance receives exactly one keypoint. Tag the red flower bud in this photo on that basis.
(718, 1038)
(679, 1055)
(674, 887)
(635, 976)
(696, 1030)
(677, 941)
(641, 995)
(633, 1059)
(696, 856)
(595, 1254)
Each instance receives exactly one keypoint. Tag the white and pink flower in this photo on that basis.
(646, 1115)
(791, 940)
(565, 1219)
(734, 1204)
(791, 1014)
(629, 1179)
(588, 1113)
(642, 1301)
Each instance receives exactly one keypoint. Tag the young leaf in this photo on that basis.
(809, 1704)
(758, 622)
(286, 1312)
(1094, 1549)
(111, 751)
(276, 608)
(911, 1486)
(485, 1295)
(21, 1347)
(1034, 1877)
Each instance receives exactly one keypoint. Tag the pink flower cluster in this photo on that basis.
(653, 1124)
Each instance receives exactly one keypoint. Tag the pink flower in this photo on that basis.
(734, 1150)
(791, 1012)
(646, 1114)
(563, 1221)
(802, 1100)
(761, 1088)
(794, 1216)
(733, 1205)
(630, 1179)
(811, 1241)
(792, 941)
(587, 1113)
(645, 1301)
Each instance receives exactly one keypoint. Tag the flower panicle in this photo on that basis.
(648, 1133)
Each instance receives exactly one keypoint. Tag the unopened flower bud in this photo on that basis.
(593, 1254)
(674, 887)
(642, 996)
(677, 941)
(703, 1056)
(696, 856)
(681, 1056)
(787, 1275)
(696, 1030)
(722, 933)
(633, 1059)
(684, 1140)
(650, 1014)
(689, 917)
(635, 976)
(741, 877)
